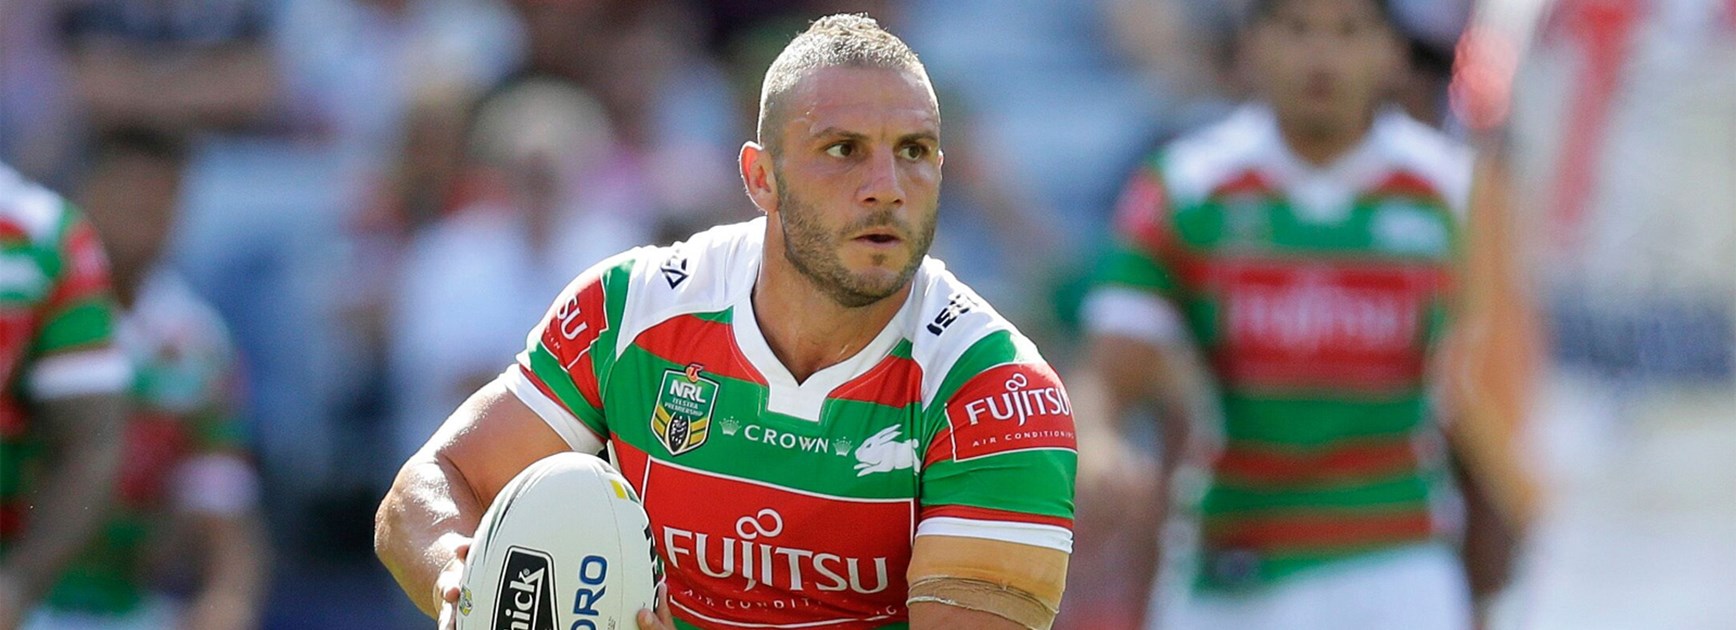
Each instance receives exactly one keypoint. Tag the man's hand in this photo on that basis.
(441, 494)
(659, 620)
(449, 584)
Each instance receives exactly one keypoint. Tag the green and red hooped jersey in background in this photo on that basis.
(777, 504)
(1317, 296)
(183, 446)
(56, 324)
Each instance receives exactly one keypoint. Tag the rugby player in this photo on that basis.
(64, 386)
(1307, 246)
(186, 489)
(827, 428)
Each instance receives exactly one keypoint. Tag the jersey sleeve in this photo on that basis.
(219, 477)
(1135, 276)
(561, 372)
(73, 352)
(1000, 454)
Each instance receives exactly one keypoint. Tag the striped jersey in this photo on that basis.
(1316, 295)
(182, 444)
(778, 504)
(56, 316)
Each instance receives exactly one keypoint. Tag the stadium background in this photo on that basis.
(385, 194)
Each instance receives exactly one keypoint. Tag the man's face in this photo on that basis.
(858, 175)
(130, 200)
(1322, 64)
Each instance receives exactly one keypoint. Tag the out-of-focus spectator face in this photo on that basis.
(858, 179)
(1322, 64)
(130, 197)
(542, 138)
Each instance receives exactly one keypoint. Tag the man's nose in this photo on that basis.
(884, 185)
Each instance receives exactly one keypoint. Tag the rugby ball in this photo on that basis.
(565, 546)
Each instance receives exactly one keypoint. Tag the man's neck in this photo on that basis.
(806, 329)
(1321, 147)
(126, 289)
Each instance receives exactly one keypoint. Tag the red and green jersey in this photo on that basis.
(1316, 294)
(56, 316)
(183, 445)
(778, 504)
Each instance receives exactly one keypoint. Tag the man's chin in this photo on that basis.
(869, 287)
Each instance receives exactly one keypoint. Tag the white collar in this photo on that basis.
(1325, 194)
(805, 400)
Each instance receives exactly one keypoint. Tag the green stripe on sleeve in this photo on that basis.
(548, 370)
(1125, 265)
(1029, 482)
(83, 323)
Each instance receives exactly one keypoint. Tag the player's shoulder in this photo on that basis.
(30, 209)
(642, 287)
(704, 272)
(1444, 163)
(1199, 161)
(956, 334)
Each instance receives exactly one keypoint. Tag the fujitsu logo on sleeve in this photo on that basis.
(1008, 408)
(575, 322)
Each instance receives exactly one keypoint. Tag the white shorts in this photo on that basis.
(1414, 588)
(155, 613)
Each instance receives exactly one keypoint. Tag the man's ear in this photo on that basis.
(757, 176)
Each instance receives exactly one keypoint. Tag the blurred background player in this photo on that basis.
(185, 508)
(1306, 246)
(60, 414)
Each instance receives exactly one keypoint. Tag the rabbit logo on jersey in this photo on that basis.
(681, 417)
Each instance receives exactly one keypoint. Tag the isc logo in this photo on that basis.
(593, 570)
(956, 307)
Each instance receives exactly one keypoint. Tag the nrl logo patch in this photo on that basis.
(681, 417)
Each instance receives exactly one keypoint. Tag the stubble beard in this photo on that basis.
(813, 252)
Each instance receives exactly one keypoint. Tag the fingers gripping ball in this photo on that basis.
(565, 546)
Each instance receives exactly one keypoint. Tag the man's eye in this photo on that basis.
(841, 150)
(914, 152)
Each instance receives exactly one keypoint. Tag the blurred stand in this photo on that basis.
(1622, 137)
(542, 204)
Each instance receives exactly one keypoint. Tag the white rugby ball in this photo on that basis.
(565, 546)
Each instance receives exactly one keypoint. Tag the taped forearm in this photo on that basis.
(1017, 582)
(997, 599)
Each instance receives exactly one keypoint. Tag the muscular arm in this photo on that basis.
(84, 441)
(441, 493)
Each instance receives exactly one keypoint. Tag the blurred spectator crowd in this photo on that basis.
(384, 195)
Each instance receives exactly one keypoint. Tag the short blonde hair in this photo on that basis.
(841, 40)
